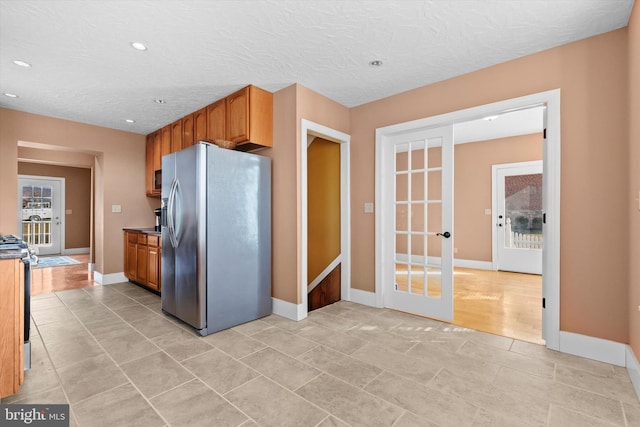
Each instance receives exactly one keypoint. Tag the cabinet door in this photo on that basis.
(187, 131)
(157, 150)
(141, 264)
(153, 265)
(166, 140)
(131, 256)
(176, 136)
(149, 172)
(238, 116)
(200, 124)
(216, 120)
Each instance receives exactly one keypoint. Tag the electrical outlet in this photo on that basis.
(116, 208)
(487, 211)
(455, 250)
(368, 207)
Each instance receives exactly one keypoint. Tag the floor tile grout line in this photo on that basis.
(114, 362)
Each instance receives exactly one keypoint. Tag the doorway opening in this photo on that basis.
(323, 204)
(339, 264)
(386, 139)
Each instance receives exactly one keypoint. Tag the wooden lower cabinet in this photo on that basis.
(11, 326)
(142, 258)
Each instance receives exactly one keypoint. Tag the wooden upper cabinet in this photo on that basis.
(149, 171)
(157, 150)
(200, 124)
(249, 118)
(166, 140)
(216, 120)
(187, 131)
(176, 136)
(245, 117)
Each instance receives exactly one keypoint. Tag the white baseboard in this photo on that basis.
(633, 368)
(289, 310)
(75, 251)
(363, 297)
(593, 348)
(109, 279)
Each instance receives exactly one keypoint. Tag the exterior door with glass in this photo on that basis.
(40, 209)
(418, 222)
(519, 211)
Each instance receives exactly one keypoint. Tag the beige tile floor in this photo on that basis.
(118, 361)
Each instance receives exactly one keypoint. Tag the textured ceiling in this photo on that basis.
(84, 69)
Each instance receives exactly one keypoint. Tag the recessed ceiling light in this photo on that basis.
(160, 101)
(130, 121)
(22, 63)
(375, 63)
(138, 46)
(11, 95)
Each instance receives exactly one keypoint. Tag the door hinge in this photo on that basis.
(544, 133)
(544, 303)
(544, 218)
(396, 286)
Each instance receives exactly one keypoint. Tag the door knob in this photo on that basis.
(446, 234)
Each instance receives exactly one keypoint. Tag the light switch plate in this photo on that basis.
(68, 212)
(368, 207)
(487, 211)
(116, 208)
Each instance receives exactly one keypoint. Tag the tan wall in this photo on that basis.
(592, 76)
(472, 184)
(323, 179)
(119, 176)
(77, 200)
(290, 105)
(634, 178)
(283, 195)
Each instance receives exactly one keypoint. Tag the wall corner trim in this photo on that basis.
(288, 309)
(363, 297)
(593, 348)
(633, 369)
(109, 279)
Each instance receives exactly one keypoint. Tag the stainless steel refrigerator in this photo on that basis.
(216, 237)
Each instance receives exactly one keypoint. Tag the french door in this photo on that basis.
(418, 222)
(40, 208)
(519, 231)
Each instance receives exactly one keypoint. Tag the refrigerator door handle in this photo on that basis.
(171, 214)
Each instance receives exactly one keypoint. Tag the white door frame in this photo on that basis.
(495, 244)
(60, 181)
(307, 128)
(551, 189)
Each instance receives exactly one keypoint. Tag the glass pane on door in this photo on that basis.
(37, 203)
(523, 211)
(418, 210)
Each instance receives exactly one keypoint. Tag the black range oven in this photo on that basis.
(13, 244)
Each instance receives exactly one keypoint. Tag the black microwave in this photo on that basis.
(157, 183)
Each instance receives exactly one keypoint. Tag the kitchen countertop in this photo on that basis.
(149, 230)
(11, 254)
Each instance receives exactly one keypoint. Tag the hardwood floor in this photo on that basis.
(497, 302)
(54, 279)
